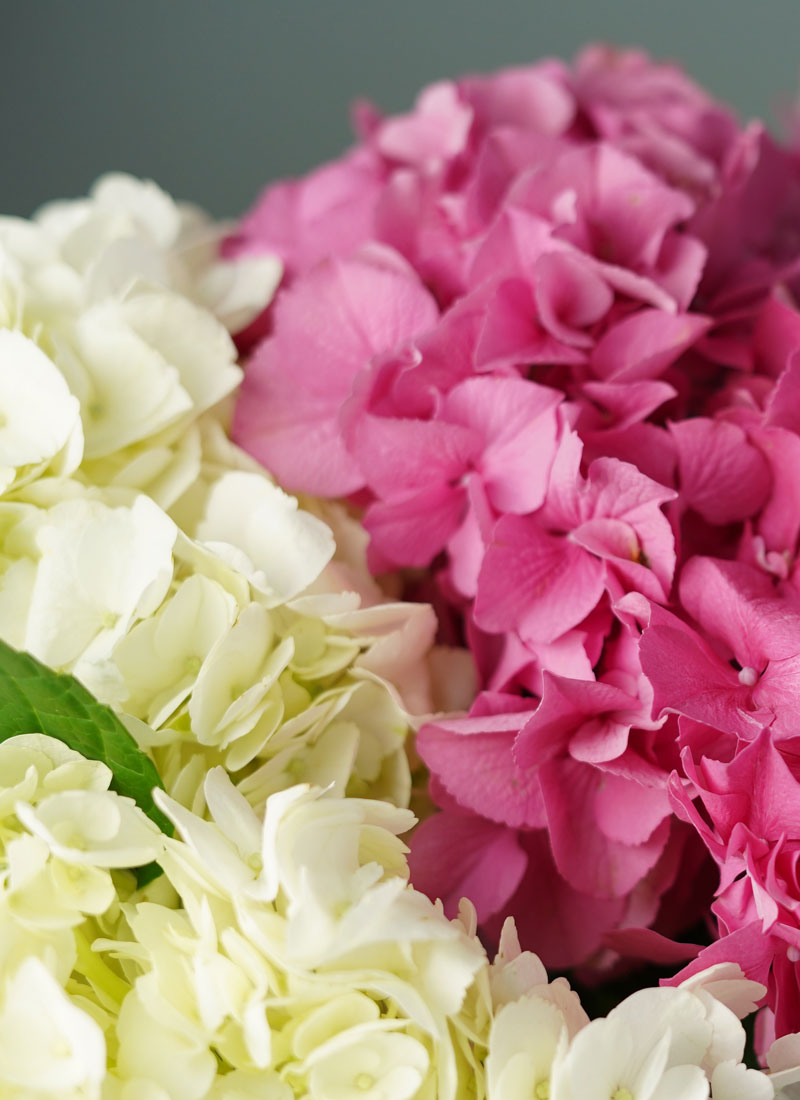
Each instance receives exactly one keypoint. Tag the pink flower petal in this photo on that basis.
(536, 583)
(460, 855)
(738, 604)
(473, 760)
(411, 530)
(589, 860)
(517, 423)
(721, 475)
(645, 344)
(561, 717)
(688, 677)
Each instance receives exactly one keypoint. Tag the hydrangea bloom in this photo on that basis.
(148, 556)
(541, 330)
(285, 955)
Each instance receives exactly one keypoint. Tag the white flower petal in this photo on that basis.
(281, 549)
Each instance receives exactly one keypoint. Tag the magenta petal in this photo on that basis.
(628, 811)
(779, 523)
(783, 406)
(779, 690)
(763, 775)
(588, 859)
(413, 529)
(517, 421)
(537, 583)
(511, 334)
(600, 740)
(645, 344)
(629, 403)
(399, 456)
(472, 759)
(608, 538)
(722, 476)
(644, 943)
(562, 925)
(459, 855)
(747, 946)
(737, 603)
(561, 717)
(688, 677)
(618, 490)
(776, 337)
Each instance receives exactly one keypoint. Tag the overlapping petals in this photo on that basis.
(578, 420)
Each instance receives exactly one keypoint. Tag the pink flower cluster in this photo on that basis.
(541, 330)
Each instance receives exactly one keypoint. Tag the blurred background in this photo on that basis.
(213, 98)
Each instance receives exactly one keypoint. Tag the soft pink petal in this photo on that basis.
(562, 925)
(411, 530)
(738, 604)
(328, 213)
(537, 583)
(570, 296)
(473, 760)
(328, 327)
(561, 717)
(287, 428)
(455, 855)
(589, 860)
(434, 131)
(721, 475)
(529, 98)
(628, 811)
(689, 678)
(646, 343)
(517, 423)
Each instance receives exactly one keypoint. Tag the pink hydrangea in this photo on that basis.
(541, 331)
(750, 822)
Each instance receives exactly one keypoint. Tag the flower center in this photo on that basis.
(542, 1090)
(364, 1081)
(748, 676)
(622, 1094)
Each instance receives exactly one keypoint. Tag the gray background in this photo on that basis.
(212, 98)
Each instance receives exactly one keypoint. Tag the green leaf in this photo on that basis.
(34, 699)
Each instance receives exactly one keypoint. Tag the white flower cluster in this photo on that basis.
(658, 1044)
(144, 553)
(62, 832)
(286, 956)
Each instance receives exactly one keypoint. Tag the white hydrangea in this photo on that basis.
(117, 292)
(783, 1059)
(195, 640)
(129, 229)
(300, 951)
(61, 830)
(284, 956)
(658, 1044)
(49, 1047)
(40, 426)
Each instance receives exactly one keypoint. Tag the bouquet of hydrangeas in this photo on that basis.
(529, 355)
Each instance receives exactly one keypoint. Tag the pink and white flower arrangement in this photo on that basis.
(541, 333)
(528, 355)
